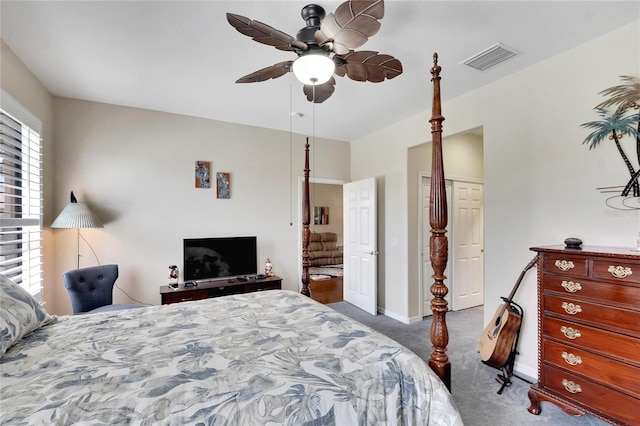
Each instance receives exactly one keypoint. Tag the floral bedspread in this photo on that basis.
(272, 357)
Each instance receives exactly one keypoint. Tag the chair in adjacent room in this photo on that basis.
(91, 289)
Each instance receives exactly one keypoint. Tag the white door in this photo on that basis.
(468, 245)
(360, 281)
(427, 270)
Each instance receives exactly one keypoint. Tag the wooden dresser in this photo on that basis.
(215, 288)
(589, 332)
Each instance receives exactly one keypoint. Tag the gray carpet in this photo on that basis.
(473, 383)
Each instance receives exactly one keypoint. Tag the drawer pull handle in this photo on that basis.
(571, 386)
(620, 271)
(571, 359)
(570, 332)
(571, 309)
(564, 265)
(571, 287)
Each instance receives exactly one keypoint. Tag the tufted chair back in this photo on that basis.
(90, 288)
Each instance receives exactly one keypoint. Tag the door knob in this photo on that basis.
(372, 253)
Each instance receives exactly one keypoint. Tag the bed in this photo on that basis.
(272, 357)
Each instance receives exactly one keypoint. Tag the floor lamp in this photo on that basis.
(77, 215)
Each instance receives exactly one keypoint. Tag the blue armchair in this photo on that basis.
(91, 289)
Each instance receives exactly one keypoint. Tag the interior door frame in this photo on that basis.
(300, 191)
(424, 287)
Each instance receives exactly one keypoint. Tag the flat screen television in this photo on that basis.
(212, 258)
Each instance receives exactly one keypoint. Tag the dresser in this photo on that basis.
(589, 332)
(215, 288)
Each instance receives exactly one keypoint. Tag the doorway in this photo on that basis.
(464, 167)
(325, 195)
(465, 269)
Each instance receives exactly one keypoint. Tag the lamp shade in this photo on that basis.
(77, 215)
(313, 68)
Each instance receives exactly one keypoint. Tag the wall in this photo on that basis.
(21, 84)
(327, 195)
(540, 181)
(136, 169)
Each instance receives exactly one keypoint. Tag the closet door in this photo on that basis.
(465, 268)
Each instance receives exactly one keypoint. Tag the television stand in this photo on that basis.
(215, 288)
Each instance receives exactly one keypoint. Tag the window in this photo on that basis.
(21, 206)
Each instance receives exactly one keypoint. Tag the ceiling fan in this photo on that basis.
(324, 46)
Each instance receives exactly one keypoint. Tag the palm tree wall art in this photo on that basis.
(623, 121)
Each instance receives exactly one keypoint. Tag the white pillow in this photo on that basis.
(20, 314)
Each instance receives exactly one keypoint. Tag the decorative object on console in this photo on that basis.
(76, 216)
(223, 185)
(348, 28)
(573, 243)
(203, 174)
(174, 272)
(268, 268)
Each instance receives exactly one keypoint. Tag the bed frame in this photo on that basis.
(439, 334)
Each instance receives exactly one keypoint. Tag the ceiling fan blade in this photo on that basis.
(370, 66)
(351, 25)
(265, 34)
(321, 92)
(274, 71)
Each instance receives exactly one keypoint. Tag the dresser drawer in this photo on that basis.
(565, 265)
(617, 271)
(267, 286)
(616, 294)
(619, 375)
(578, 310)
(184, 296)
(593, 339)
(578, 389)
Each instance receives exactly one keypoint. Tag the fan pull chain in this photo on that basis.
(313, 126)
(290, 155)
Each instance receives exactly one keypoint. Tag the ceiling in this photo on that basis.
(183, 57)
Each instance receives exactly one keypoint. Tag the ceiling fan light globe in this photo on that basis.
(313, 69)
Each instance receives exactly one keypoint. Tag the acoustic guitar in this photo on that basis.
(496, 341)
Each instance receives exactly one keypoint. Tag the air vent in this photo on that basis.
(490, 57)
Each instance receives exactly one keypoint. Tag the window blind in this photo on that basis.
(21, 203)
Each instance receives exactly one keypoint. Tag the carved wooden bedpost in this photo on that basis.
(306, 219)
(439, 361)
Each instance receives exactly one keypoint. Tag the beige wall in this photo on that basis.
(136, 169)
(539, 180)
(327, 195)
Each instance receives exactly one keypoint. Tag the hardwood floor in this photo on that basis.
(326, 291)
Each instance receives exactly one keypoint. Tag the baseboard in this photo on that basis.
(527, 372)
(395, 316)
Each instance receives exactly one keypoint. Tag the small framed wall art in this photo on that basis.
(321, 215)
(203, 174)
(223, 185)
